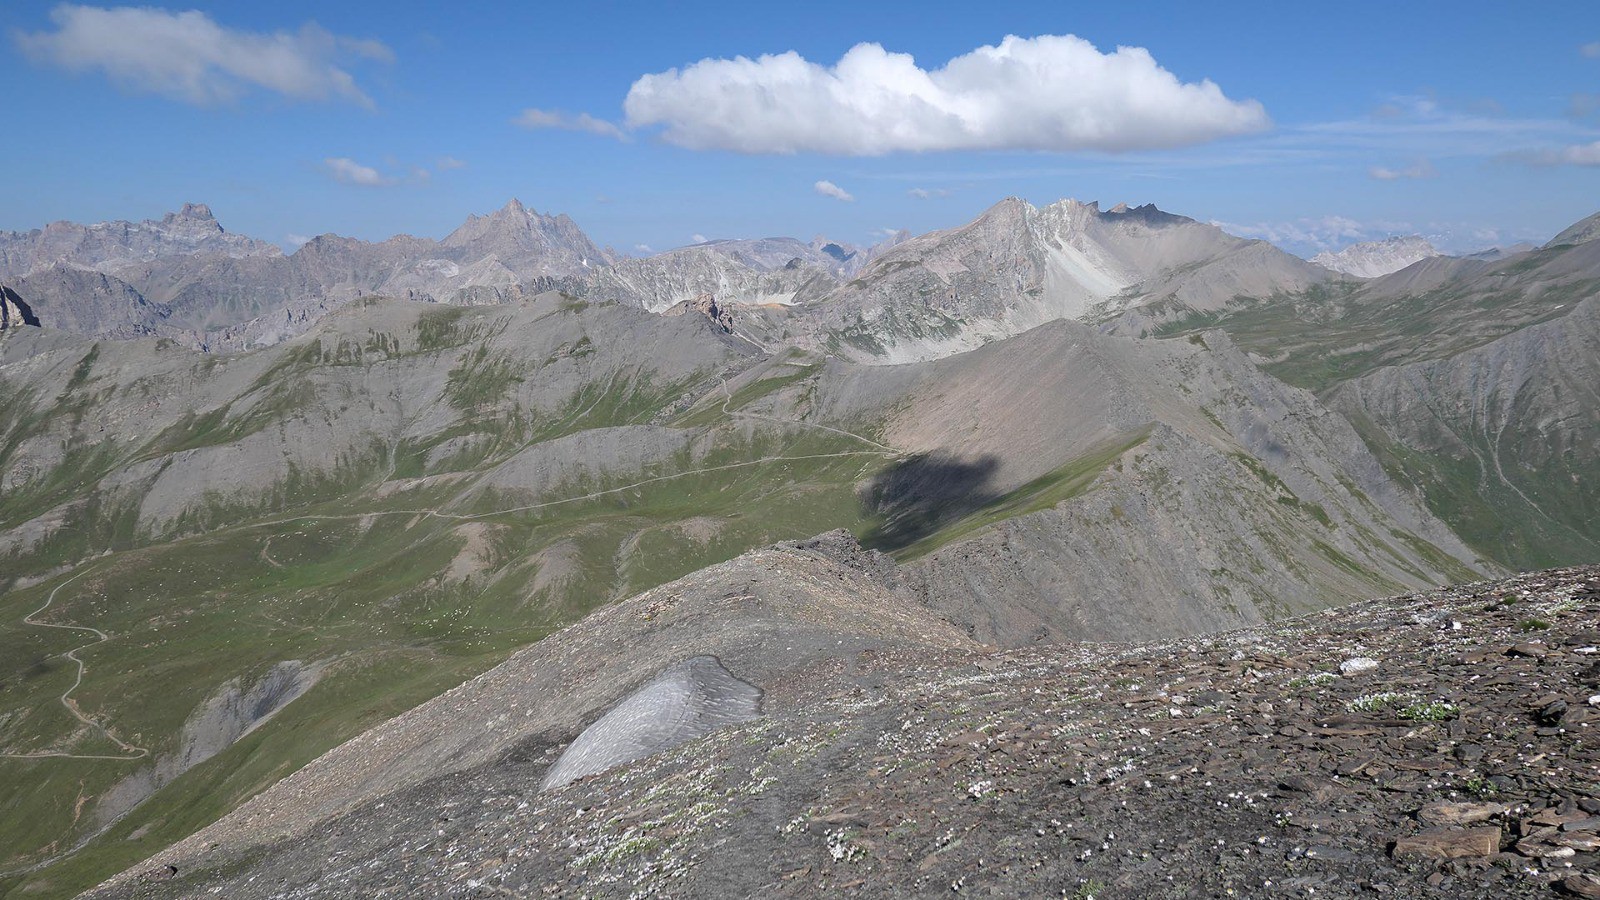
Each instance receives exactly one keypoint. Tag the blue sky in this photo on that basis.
(1469, 122)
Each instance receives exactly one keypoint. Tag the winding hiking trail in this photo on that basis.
(727, 398)
(133, 752)
(879, 450)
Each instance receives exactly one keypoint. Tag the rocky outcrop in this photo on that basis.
(14, 311)
(659, 283)
(690, 699)
(236, 709)
(705, 305)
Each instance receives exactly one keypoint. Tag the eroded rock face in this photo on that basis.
(690, 699)
(14, 311)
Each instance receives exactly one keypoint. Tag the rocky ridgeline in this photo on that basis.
(1435, 744)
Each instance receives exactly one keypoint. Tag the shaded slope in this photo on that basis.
(1068, 484)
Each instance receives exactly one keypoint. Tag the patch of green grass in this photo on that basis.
(1045, 492)
(483, 379)
(437, 328)
(1494, 518)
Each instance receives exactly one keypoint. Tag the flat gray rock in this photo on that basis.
(689, 699)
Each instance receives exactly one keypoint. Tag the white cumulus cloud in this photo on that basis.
(829, 189)
(348, 171)
(928, 193)
(189, 57)
(544, 118)
(1052, 92)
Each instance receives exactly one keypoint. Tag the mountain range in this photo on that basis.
(287, 497)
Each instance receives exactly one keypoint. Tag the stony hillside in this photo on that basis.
(1018, 266)
(659, 282)
(419, 489)
(1468, 378)
(1406, 746)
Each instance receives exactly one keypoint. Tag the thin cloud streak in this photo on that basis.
(188, 56)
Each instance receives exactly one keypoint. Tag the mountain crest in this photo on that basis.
(1372, 259)
(1581, 232)
(192, 211)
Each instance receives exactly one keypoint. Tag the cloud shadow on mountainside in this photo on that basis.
(917, 496)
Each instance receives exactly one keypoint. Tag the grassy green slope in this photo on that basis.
(328, 568)
(1514, 492)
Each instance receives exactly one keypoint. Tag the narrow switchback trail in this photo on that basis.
(133, 752)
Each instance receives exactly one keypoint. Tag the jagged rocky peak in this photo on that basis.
(1371, 259)
(194, 222)
(1078, 214)
(193, 211)
(514, 232)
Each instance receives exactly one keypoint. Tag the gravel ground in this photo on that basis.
(1430, 745)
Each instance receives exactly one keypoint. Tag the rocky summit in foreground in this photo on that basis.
(1432, 744)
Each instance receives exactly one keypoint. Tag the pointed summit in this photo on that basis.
(194, 221)
(196, 211)
(527, 242)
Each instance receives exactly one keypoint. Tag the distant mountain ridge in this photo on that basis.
(1370, 259)
(186, 279)
(1017, 266)
(114, 247)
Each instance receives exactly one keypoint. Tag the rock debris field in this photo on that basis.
(1440, 744)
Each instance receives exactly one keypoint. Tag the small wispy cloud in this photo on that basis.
(1316, 232)
(1422, 168)
(829, 189)
(928, 193)
(188, 56)
(545, 118)
(345, 170)
(1591, 50)
(1547, 157)
(449, 163)
(293, 242)
(698, 238)
(644, 248)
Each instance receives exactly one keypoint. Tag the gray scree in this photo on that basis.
(689, 699)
